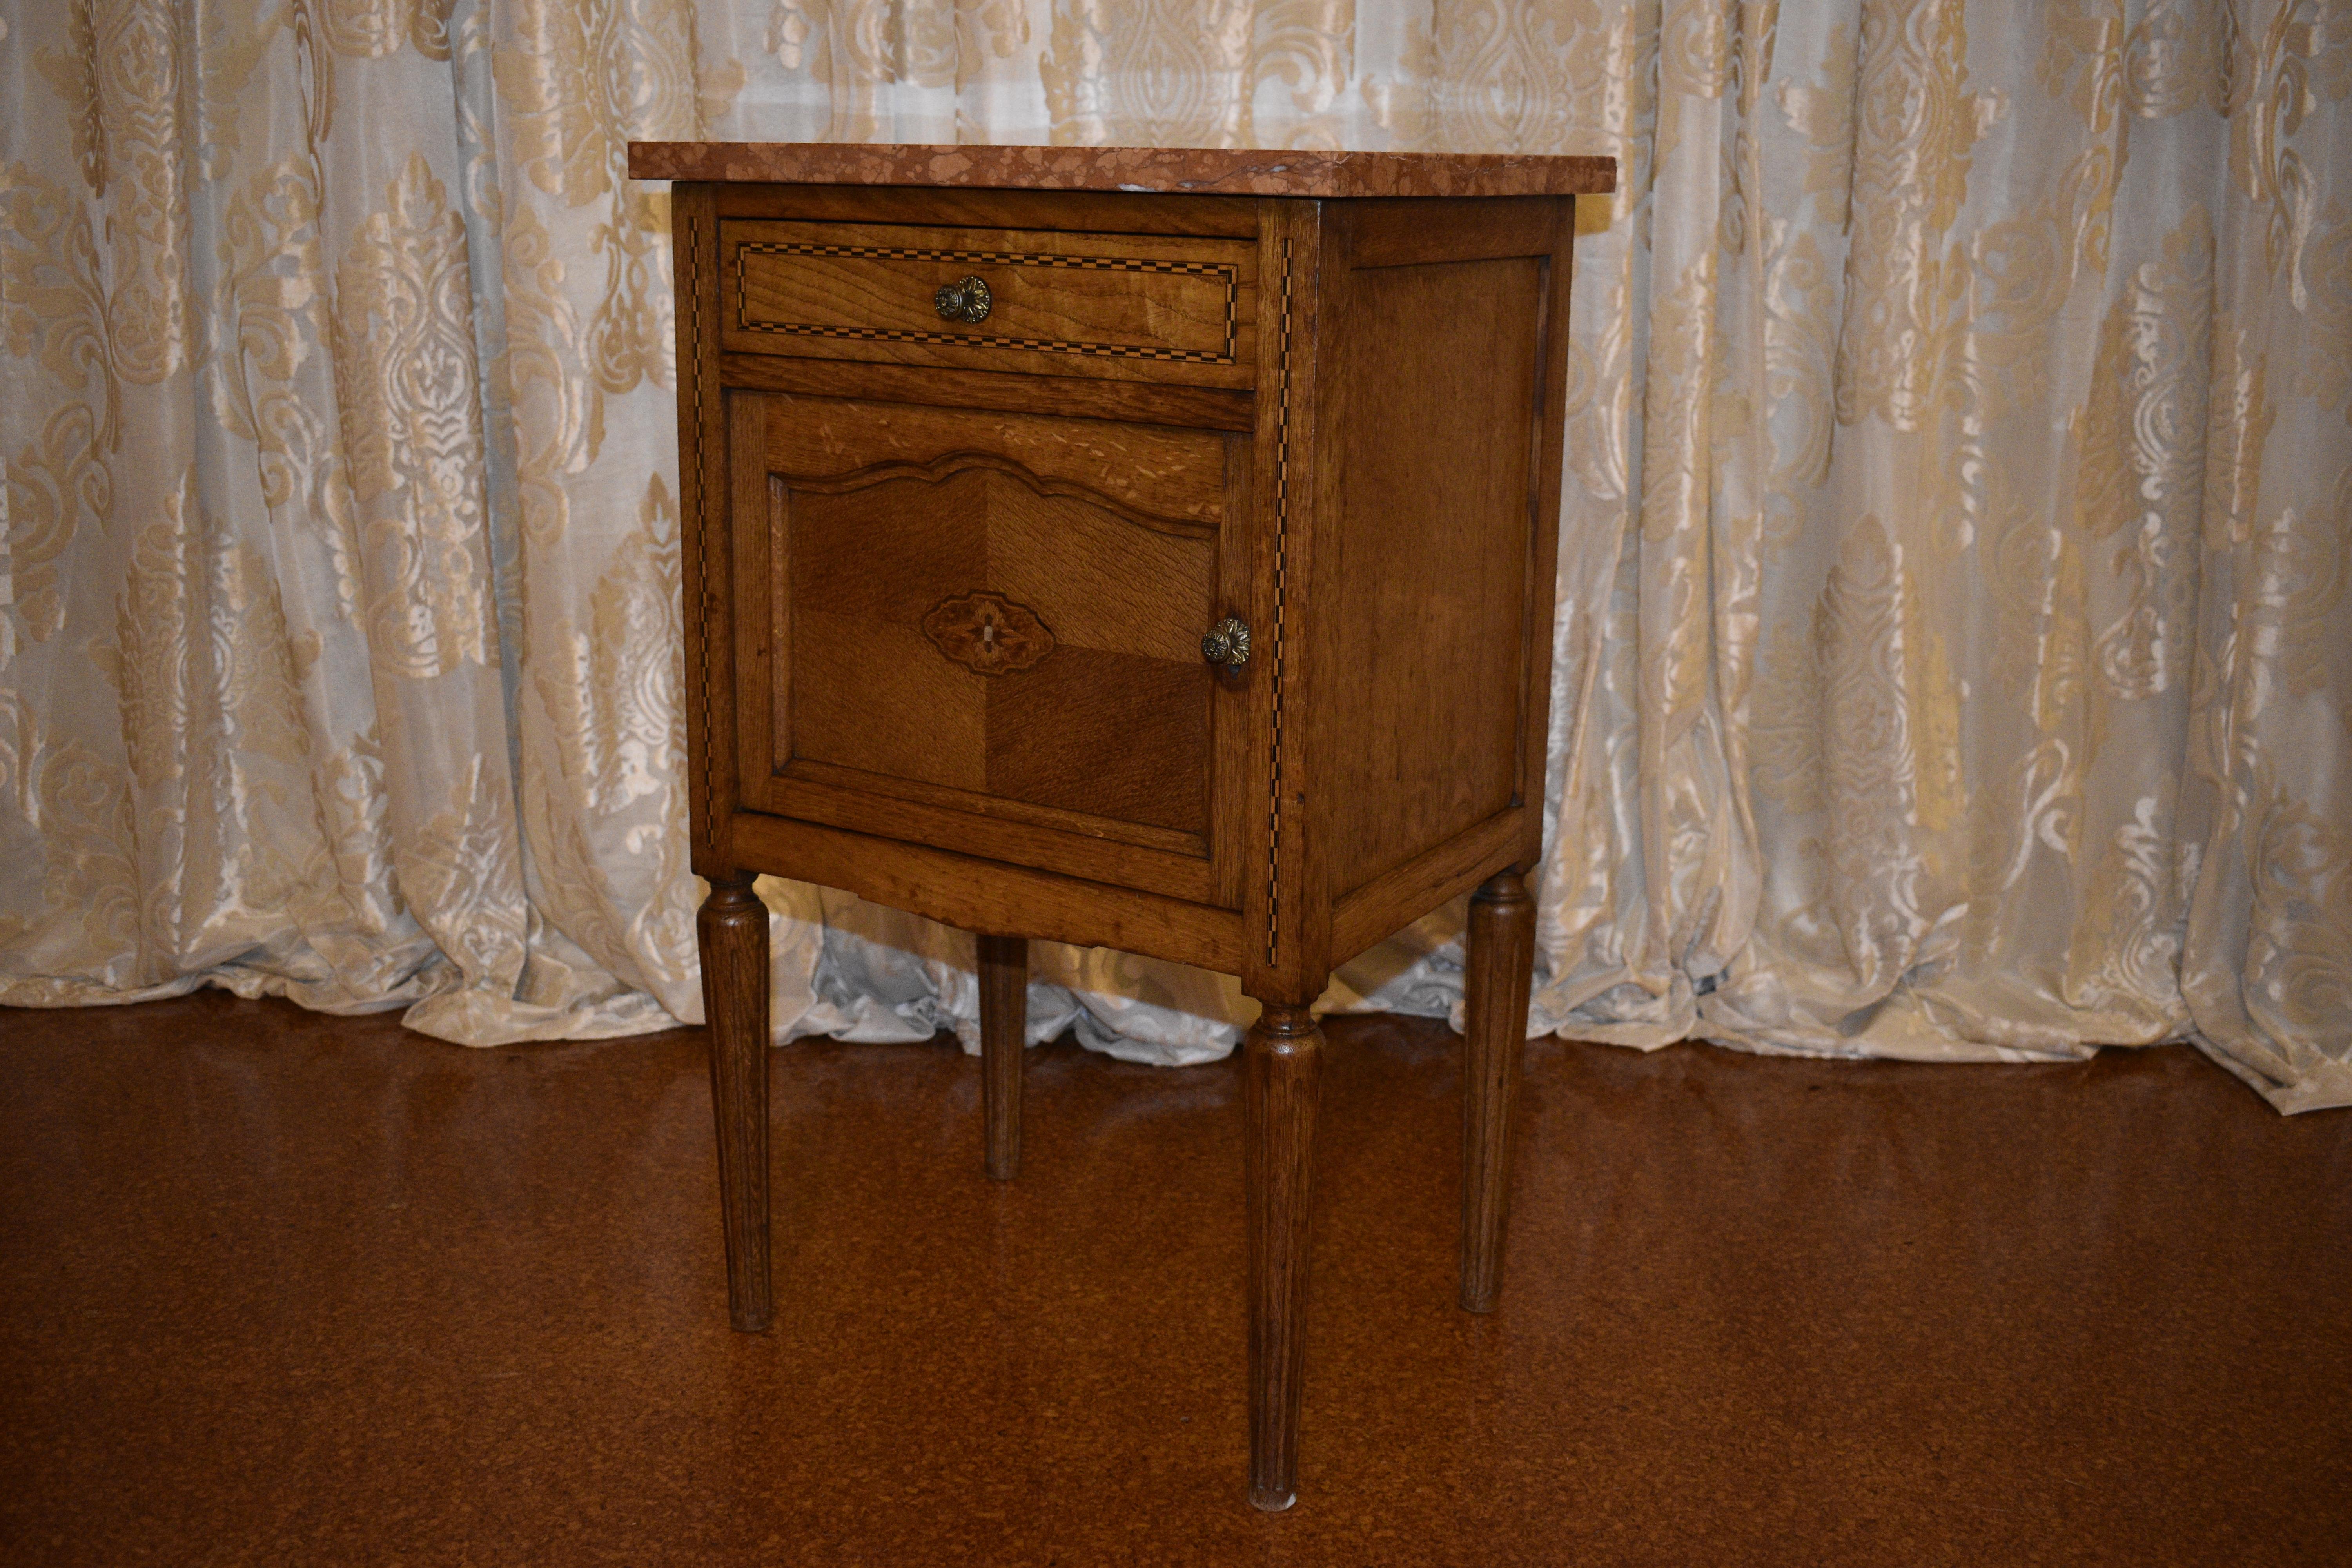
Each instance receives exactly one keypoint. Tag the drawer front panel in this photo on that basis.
(1132, 307)
(963, 630)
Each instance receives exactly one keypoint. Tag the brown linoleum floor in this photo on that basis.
(284, 1288)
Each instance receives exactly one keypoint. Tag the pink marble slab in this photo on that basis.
(1199, 171)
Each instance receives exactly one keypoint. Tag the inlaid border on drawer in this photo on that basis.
(1230, 272)
(872, 308)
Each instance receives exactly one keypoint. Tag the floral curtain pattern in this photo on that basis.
(1954, 643)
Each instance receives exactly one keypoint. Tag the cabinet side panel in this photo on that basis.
(704, 542)
(1433, 593)
(1545, 480)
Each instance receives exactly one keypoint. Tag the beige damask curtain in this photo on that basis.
(1954, 650)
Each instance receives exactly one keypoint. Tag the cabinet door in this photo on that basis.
(983, 632)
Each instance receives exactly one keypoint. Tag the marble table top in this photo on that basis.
(1184, 171)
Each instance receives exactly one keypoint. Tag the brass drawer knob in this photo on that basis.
(965, 300)
(1227, 643)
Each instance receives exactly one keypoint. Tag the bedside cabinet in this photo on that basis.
(1143, 549)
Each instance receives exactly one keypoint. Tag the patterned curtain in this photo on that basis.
(1955, 648)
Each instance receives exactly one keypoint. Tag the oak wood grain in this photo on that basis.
(1004, 1025)
(732, 931)
(1161, 840)
(1107, 734)
(1130, 401)
(1286, 901)
(1158, 308)
(1232, 217)
(705, 568)
(1497, 967)
(861, 523)
(1069, 843)
(876, 695)
(988, 895)
(1428, 605)
(1284, 1053)
(760, 611)
(1431, 233)
(1111, 721)
(1233, 786)
(1544, 468)
(1389, 903)
(1157, 476)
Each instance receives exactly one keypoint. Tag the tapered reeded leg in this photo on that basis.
(1284, 1059)
(1498, 966)
(733, 929)
(1003, 1024)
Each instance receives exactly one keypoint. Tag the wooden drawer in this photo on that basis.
(1128, 306)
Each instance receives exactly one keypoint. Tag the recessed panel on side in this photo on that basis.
(1430, 614)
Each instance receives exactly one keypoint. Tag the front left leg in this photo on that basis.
(1284, 1062)
(732, 926)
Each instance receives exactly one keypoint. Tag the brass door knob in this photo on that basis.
(965, 300)
(1227, 643)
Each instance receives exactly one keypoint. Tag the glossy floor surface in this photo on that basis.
(277, 1288)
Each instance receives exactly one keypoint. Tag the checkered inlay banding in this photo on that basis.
(1230, 274)
(1281, 595)
(696, 462)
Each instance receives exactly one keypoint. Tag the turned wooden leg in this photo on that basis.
(1285, 1058)
(1004, 1025)
(733, 929)
(1498, 967)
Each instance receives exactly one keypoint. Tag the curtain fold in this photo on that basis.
(1954, 656)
